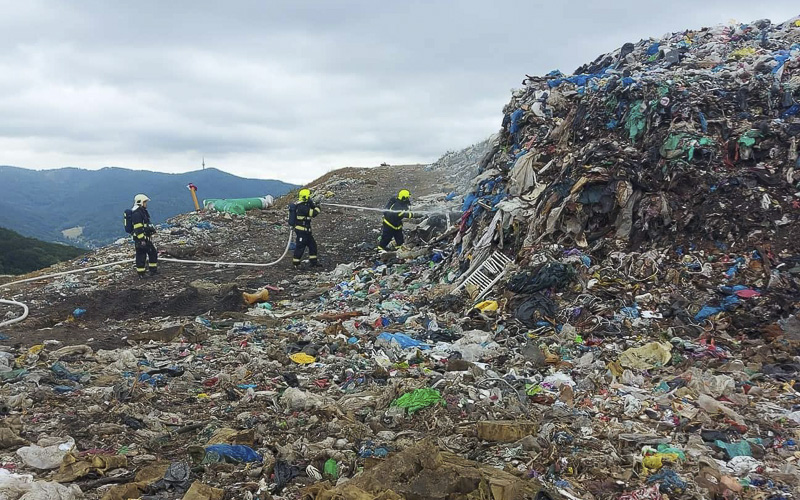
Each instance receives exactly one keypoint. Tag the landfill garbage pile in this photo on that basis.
(665, 367)
(650, 206)
(460, 167)
(691, 139)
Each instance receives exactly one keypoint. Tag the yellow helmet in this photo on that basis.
(404, 194)
(304, 194)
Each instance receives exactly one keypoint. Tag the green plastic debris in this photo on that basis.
(663, 388)
(740, 449)
(418, 399)
(749, 138)
(636, 121)
(13, 374)
(682, 145)
(331, 468)
(533, 389)
(665, 448)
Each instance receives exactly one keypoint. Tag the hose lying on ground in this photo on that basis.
(18, 318)
(127, 261)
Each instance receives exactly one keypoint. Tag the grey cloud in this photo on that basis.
(293, 89)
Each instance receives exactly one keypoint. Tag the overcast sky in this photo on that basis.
(292, 89)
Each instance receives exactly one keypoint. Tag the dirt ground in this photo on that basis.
(343, 236)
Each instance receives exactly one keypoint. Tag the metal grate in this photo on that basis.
(487, 274)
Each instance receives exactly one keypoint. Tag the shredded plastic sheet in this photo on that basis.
(418, 399)
(401, 339)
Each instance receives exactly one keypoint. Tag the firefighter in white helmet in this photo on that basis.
(143, 230)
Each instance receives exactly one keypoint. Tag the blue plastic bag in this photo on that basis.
(236, 453)
(404, 340)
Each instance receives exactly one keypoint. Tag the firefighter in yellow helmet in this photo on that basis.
(397, 209)
(300, 215)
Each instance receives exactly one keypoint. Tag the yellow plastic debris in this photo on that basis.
(33, 351)
(652, 462)
(259, 296)
(647, 356)
(487, 305)
(302, 358)
(743, 52)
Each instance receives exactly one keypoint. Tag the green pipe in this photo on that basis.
(238, 206)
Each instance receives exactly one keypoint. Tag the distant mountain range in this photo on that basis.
(20, 255)
(84, 207)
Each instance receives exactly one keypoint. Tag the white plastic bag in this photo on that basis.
(13, 485)
(46, 457)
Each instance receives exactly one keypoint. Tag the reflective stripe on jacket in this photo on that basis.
(141, 223)
(396, 211)
(305, 211)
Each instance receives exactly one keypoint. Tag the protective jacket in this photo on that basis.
(305, 211)
(396, 211)
(142, 229)
(146, 252)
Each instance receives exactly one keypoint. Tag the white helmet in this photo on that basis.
(139, 200)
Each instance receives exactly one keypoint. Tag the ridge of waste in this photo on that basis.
(641, 339)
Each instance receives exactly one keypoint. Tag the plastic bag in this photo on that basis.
(45, 457)
(418, 399)
(331, 468)
(403, 340)
(743, 465)
(283, 473)
(236, 453)
(558, 379)
(740, 449)
(705, 382)
(44, 490)
(712, 406)
(302, 358)
(13, 485)
(647, 356)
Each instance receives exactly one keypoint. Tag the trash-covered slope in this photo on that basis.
(177, 387)
(458, 168)
(650, 203)
(689, 139)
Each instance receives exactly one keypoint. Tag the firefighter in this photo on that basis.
(396, 211)
(304, 210)
(142, 233)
